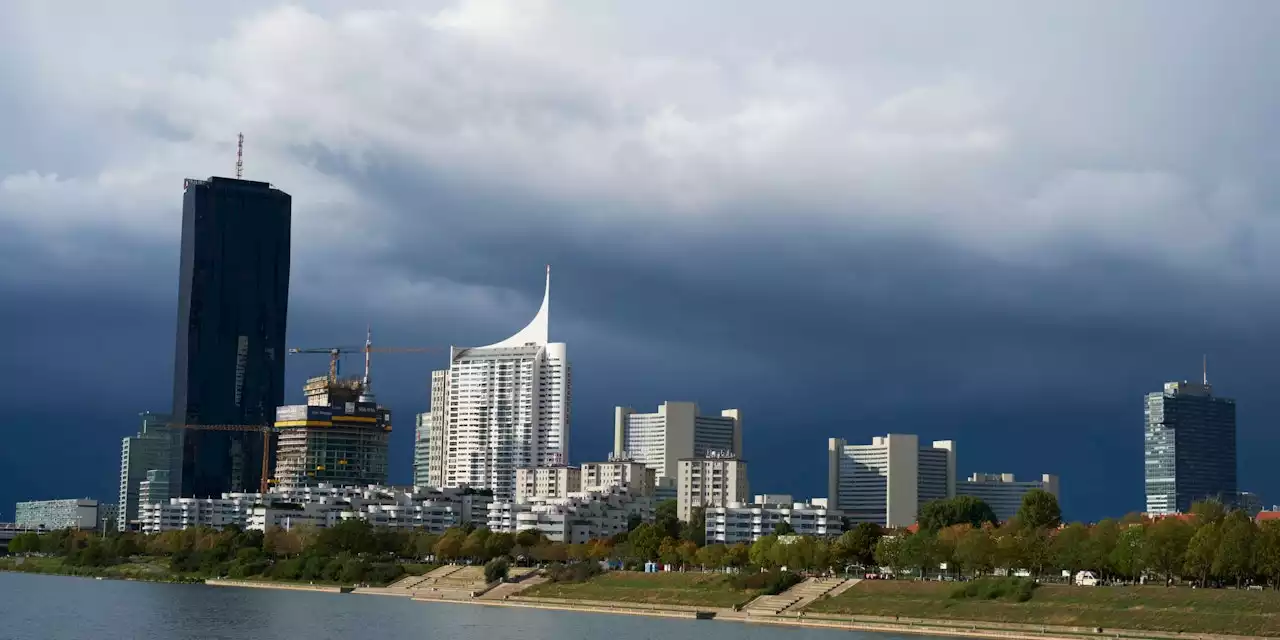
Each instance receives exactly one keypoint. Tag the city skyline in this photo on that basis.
(846, 227)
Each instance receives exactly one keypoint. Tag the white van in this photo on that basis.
(1086, 579)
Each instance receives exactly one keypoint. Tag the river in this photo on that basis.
(38, 607)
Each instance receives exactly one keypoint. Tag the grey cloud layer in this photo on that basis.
(935, 204)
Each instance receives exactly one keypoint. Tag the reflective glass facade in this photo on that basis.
(1189, 448)
(233, 301)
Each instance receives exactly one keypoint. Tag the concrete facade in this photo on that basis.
(885, 482)
(748, 522)
(58, 514)
(639, 479)
(1002, 492)
(503, 407)
(547, 482)
(676, 430)
(714, 481)
(150, 449)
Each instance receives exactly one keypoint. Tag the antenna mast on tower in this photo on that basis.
(240, 156)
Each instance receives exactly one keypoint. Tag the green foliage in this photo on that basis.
(1010, 589)
(1039, 510)
(666, 518)
(1165, 546)
(695, 530)
(766, 582)
(889, 553)
(920, 551)
(940, 514)
(783, 528)
(976, 551)
(645, 542)
(496, 570)
(574, 572)
(858, 545)
(1233, 559)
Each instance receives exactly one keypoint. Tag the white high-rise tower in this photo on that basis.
(501, 407)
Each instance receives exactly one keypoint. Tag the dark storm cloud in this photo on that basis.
(995, 224)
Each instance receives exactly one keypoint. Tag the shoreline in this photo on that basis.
(920, 627)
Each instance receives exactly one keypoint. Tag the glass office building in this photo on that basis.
(232, 305)
(1190, 447)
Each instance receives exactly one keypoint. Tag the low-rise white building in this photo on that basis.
(547, 482)
(747, 522)
(426, 508)
(619, 471)
(1002, 492)
(58, 514)
(579, 517)
(716, 480)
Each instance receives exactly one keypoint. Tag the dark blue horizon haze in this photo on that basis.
(997, 223)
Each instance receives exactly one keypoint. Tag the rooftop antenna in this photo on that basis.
(240, 156)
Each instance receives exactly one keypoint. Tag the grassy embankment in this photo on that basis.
(623, 587)
(1224, 611)
(150, 569)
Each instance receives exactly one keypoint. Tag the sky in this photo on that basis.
(1000, 223)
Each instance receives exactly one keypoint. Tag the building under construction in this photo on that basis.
(339, 436)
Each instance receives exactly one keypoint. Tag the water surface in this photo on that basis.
(38, 607)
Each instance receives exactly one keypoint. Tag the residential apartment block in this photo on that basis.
(715, 480)
(639, 479)
(576, 518)
(501, 407)
(748, 522)
(547, 482)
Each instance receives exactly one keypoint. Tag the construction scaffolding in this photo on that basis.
(336, 438)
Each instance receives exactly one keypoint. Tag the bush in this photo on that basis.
(574, 572)
(768, 583)
(1012, 589)
(496, 570)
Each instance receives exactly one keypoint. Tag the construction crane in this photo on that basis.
(337, 352)
(265, 429)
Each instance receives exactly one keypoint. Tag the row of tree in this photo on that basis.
(960, 534)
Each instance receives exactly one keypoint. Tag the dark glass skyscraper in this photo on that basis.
(233, 300)
(1190, 447)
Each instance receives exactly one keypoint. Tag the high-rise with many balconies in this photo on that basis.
(501, 407)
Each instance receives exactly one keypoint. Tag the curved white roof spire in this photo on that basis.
(537, 331)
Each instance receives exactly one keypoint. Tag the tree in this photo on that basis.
(474, 546)
(1201, 551)
(737, 555)
(449, 546)
(712, 555)
(695, 530)
(948, 541)
(1127, 557)
(888, 553)
(976, 551)
(529, 538)
(645, 541)
(920, 550)
(1102, 542)
(688, 552)
(1164, 549)
(1266, 552)
(669, 551)
(858, 545)
(1234, 557)
(496, 570)
(783, 528)
(1039, 510)
(1208, 512)
(1034, 549)
(499, 545)
(940, 514)
(1070, 548)
(762, 552)
(666, 518)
